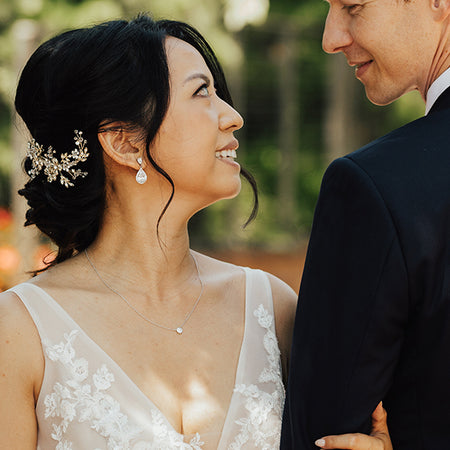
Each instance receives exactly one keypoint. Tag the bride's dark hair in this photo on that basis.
(82, 80)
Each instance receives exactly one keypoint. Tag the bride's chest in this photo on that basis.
(189, 378)
(118, 382)
(85, 387)
(190, 381)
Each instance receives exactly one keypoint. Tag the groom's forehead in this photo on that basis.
(374, 10)
(385, 3)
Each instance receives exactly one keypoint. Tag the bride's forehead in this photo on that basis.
(181, 53)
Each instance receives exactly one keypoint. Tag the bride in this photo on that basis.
(130, 339)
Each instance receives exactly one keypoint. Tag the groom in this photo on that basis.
(373, 319)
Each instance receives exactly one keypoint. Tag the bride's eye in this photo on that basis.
(202, 91)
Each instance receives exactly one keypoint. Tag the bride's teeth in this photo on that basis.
(226, 154)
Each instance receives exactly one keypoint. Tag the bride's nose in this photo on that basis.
(229, 118)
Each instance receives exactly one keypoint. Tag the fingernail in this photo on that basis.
(320, 442)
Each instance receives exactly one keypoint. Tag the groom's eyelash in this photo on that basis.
(351, 8)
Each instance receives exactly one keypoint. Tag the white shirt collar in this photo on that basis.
(439, 85)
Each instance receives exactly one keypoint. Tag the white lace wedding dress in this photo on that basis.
(87, 401)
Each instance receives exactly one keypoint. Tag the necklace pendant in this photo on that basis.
(179, 330)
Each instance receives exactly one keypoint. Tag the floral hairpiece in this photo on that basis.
(41, 159)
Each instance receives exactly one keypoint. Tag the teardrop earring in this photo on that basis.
(141, 176)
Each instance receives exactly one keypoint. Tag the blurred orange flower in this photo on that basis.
(9, 259)
(5, 218)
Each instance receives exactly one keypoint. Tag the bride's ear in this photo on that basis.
(121, 144)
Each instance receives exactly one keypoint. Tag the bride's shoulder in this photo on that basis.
(217, 267)
(15, 318)
(284, 304)
(12, 311)
(20, 347)
(284, 297)
(21, 373)
(281, 291)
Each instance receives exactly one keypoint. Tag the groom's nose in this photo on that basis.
(336, 35)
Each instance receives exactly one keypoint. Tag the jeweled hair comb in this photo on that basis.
(46, 160)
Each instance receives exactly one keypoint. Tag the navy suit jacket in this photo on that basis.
(373, 318)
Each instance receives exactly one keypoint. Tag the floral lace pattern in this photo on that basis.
(87, 400)
(260, 404)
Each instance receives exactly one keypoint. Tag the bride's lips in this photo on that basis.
(227, 154)
(232, 145)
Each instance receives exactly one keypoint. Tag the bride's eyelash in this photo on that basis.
(203, 86)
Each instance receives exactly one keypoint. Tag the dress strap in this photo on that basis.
(256, 405)
(50, 318)
(258, 289)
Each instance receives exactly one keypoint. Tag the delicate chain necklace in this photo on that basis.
(179, 329)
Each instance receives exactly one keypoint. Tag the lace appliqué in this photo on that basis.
(87, 400)
(262, 426)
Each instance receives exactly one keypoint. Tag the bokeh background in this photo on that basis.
(302, 109)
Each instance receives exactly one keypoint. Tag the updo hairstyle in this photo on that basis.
(82, 80)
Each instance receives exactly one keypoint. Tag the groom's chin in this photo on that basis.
(381, 96)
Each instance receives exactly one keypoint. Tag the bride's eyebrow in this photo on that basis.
(196, 76)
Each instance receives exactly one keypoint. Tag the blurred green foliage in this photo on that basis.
(251, 58)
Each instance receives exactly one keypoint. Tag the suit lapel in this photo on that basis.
(442, 102)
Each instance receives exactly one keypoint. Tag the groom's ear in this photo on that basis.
(121, 143)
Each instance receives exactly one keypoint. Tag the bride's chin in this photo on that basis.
(234, 193)
(224, 196)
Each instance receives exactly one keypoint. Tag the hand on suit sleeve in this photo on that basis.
(378, 440)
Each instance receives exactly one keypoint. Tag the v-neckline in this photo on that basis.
(117, 368)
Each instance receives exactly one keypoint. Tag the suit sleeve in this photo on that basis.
(352, 312)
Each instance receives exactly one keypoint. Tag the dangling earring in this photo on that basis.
(141, 176)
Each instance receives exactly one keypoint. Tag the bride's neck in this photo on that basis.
(139, 249)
